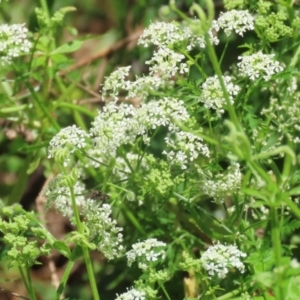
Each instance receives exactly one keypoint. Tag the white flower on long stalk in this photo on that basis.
(218, 259)
(238, 21)
(259, 65)
(13, 42)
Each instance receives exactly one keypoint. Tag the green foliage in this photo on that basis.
(193, 163)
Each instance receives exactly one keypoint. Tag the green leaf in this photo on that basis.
(33, 165)
(62, 248)
(68, 47)
(294, 191)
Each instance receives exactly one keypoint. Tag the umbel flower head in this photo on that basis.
(132, 294)
(146, 253)
(238, 21)
(13, 42)
(66, 142)
(218, 259)
(259, 65)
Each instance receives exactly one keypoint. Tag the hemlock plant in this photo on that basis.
(193, 158)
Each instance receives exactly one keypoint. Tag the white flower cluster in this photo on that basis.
(132, 294)
(238, 21)
(58, 192)
(186, 147)
(146, 252)
(115, 82)
(218, 259)
(103, 229)
(259, 65)
(166, 63)
(212, 94)
(13, 42)
(118, 125)
(223, 184)
(67, 141)
(164, 35)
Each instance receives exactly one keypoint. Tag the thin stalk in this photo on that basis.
(230, 295)
(215, 63)
(44, 6)
(195, 63)
(85, 250)
(32, 294)
(64, 279)
(165, 291)
(27, 282)
(42, 107)
(276, 241)
(24, 280)
(76, 107)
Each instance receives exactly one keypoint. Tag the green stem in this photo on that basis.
(276, 241)
(26, 278)
(85, 250)
(195, 63)
(23, 277)
(165, 291)
(214, 60)
(295, 58)
(32, 294)
(64, 279)
(76, 107)
(44, 6)
(42, 107)
(230, 295)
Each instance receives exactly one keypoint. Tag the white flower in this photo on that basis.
(116, 82)
(161, 34)
(218, 259)
(118, 125)
(212, 94)
(132, 294)
(146, 252)
(223, 184)
(186, 147)
(67, 141)
(165, 35)
(234, 20)
(103, 229)
(259, 65)
(143, 86)
(167, 63)
(13, 42)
